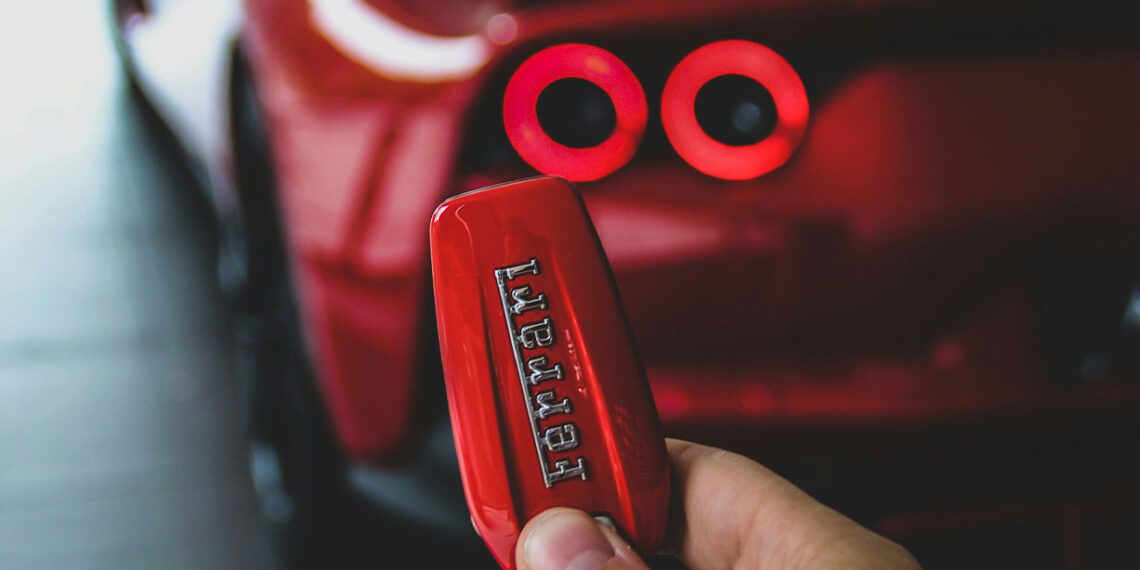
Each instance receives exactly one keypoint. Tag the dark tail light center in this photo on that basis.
(735, 110)
(576, 113)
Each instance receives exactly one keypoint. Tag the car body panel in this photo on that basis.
(181, 51)
(867, 281)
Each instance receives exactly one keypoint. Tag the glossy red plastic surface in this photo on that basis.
(751, 60)
(548, 399)
(597, 66)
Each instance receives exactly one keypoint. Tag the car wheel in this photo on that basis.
(296, 466)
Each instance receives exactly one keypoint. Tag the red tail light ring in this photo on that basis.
(592, 64)
(734, 57)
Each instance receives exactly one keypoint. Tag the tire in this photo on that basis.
(296, 466)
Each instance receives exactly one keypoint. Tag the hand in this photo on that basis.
(727, 512)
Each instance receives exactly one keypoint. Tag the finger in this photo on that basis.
(729, 511)
(569, 539)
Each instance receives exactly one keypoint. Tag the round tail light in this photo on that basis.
(734, 109)
(575, 111)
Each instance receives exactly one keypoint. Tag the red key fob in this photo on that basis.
(549, 402)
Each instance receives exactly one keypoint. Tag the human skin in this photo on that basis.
(727, 512)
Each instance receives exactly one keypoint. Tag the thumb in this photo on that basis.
(569, 539)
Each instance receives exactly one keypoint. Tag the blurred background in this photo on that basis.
(217, 342)
(121, 431)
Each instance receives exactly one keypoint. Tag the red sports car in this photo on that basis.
(891, 249)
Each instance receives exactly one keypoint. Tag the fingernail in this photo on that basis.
(567, 540)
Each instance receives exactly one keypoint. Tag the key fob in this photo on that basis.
(548, 398)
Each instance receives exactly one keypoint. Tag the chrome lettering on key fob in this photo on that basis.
(535, 332)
